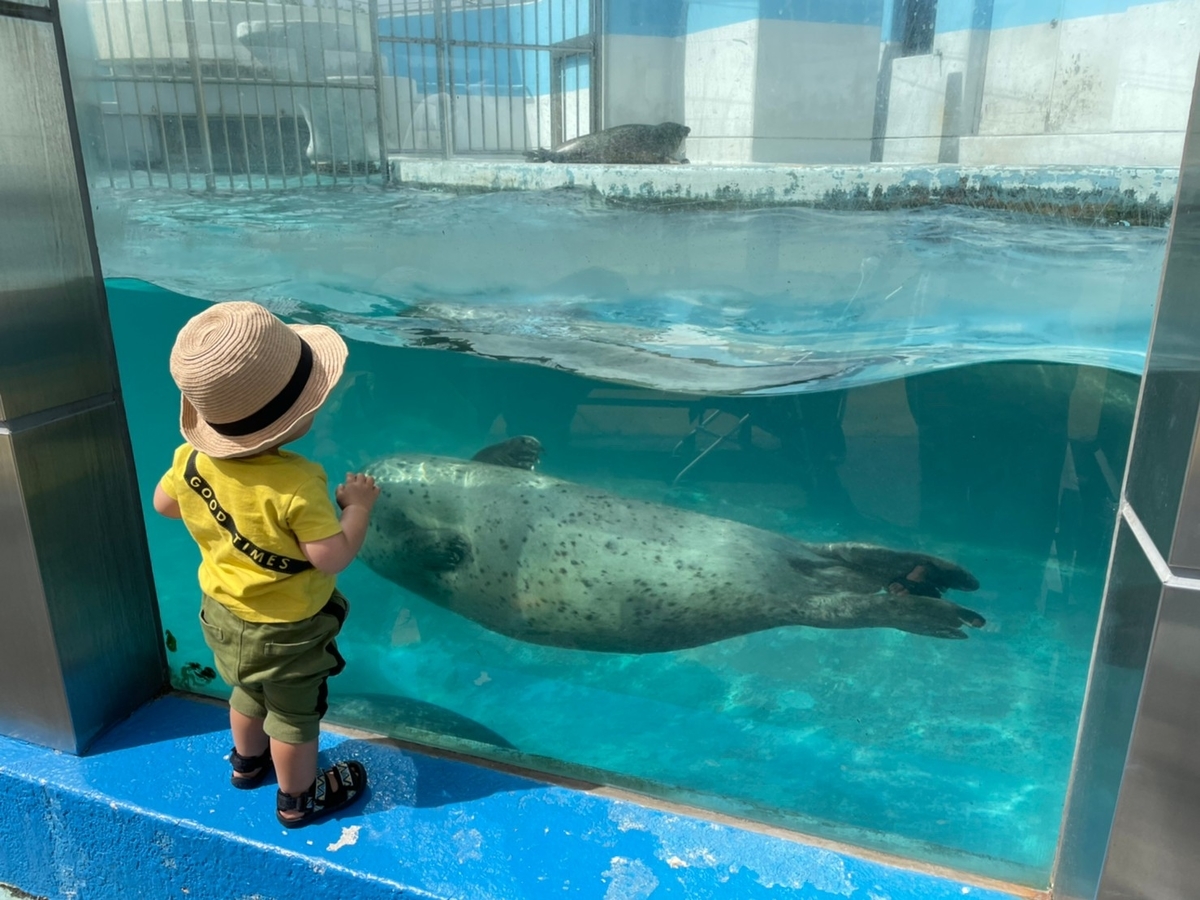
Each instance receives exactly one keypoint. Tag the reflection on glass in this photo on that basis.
(253, 94)
(951, 750)
(914, 26)
(1127, 626)
(720, 380)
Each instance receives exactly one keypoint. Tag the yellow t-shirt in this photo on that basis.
(249, 516)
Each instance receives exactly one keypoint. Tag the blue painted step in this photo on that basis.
(150, 813)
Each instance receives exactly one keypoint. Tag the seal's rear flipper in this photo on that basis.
(918, 614)
(521, 452)
(539, 155)
(918, 573)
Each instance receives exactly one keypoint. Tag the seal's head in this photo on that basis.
(248, 380)
(672, 135)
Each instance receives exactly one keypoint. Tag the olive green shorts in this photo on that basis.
(277, 670)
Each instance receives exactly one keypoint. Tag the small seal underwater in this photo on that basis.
(561, 564)
(651, 144)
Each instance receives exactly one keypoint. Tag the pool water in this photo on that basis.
(663, 297)
(955, 752)
(955, 381)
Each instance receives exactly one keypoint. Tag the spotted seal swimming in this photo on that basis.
(557, 563)
(661, 143)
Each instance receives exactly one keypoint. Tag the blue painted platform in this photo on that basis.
(149, 812)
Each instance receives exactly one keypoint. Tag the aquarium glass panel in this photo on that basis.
(750, 384)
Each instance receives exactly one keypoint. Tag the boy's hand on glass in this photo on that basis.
(357, 490)
(333, 554)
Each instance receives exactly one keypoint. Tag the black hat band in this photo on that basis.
(276, 406)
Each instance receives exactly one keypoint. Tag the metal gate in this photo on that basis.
(204, 93)
(490, 76)
(258, 93)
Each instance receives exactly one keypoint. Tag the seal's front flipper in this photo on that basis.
(521, 452)
(437, 549)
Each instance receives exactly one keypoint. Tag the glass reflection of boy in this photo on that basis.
(270, 540)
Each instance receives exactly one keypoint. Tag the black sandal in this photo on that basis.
(323, 798)
(251, 769)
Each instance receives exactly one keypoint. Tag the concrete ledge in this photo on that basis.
(150, 812)
(1139, 196)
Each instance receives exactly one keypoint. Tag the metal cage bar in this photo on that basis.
(490, 60)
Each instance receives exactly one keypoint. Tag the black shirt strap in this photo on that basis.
(276, 562)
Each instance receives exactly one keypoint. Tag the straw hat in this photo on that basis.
(247, 378)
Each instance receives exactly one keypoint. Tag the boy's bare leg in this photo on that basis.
(296, 769)
(248, 735)
(249, 739)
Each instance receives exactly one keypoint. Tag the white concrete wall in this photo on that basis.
(917, 100)
(815, 92)
(1084, 150)
(1021, 64)
(1156, 66)
(1085, 79)
(643, 80)
(1052, 78)
(1099, 90)
(719, 76)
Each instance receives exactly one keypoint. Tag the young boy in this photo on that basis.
(270, 540)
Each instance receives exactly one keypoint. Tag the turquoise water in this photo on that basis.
(721, 300)
(956, 752)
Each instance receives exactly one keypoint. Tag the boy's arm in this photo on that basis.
(165, 504)
(333, 554)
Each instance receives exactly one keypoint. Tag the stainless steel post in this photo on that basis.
(81, 645)
(1133, 809)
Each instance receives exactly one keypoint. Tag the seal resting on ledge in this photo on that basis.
(635, 144)
(562, 564)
